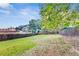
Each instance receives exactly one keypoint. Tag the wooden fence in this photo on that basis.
(70, 32)
(12, 36)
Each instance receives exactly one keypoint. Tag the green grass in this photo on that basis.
(16, 46)
(19, 46)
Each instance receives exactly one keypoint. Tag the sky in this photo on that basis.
(16, 14)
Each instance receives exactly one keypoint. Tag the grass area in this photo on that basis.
(47, 45)
(16, 46)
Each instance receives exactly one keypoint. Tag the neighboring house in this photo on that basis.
(23, 28)
(26, 29)
(69, 31)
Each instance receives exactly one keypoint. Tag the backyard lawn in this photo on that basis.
(16, 46)
(37, 45)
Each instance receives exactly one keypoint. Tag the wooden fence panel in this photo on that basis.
(12, 36)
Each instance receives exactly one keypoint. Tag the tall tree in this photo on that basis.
(34, 26)
(57, 16)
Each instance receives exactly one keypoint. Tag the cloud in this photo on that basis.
(5, 8)
(30, 13)
(24, 12)
(4, 12)
(29, 10)
(4, 5)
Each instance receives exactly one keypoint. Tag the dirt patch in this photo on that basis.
(51, 46)
(73, 40)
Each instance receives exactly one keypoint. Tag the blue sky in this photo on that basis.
(12, 15)
(16, 14)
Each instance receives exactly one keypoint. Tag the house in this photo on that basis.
(69, 31)
(23, 29)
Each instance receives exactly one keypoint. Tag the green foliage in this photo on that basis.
(57, 16)
(34, 25)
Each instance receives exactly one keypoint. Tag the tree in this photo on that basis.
(34, 26)
(57, 16)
